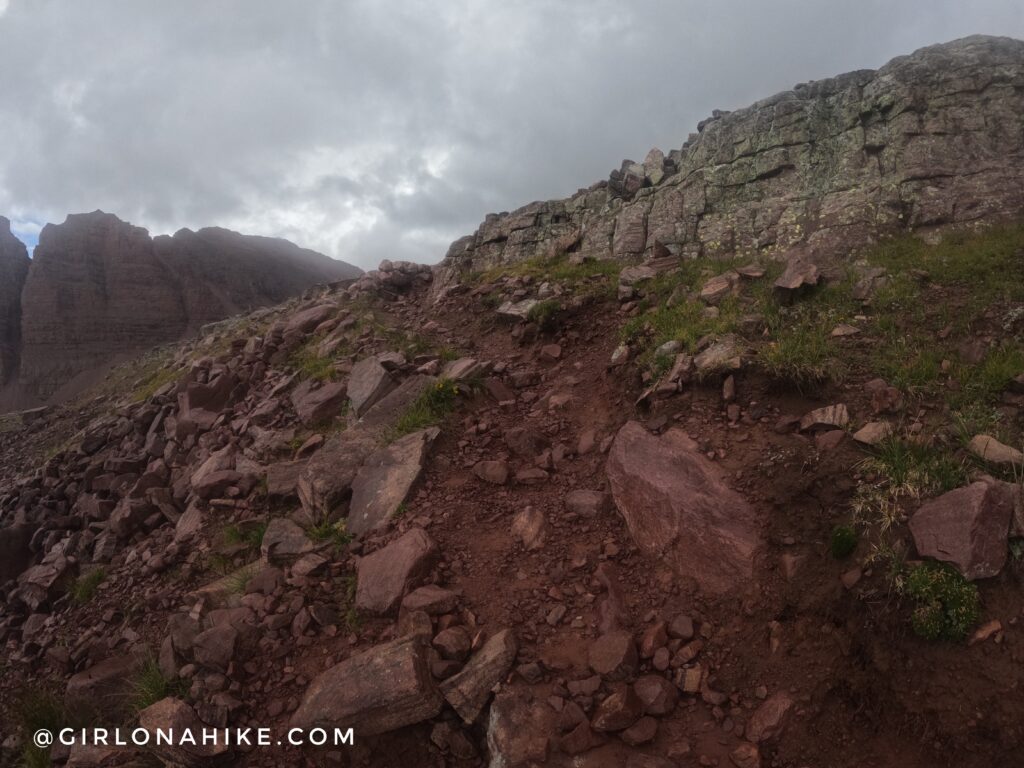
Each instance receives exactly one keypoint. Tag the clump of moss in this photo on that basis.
(843, 542)
(947, 605)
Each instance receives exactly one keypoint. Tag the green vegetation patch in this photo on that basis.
(929, 302)
(248, 535)
(429, 409)
(310, 364)
(558, 269)
(843, 541)
(335, 533)
(917, 468)
(946, 605)
(151, 685)
(83, 589)
(544, 313)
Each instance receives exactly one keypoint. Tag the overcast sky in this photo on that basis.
(380, 129)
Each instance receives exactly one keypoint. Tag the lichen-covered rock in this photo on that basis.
(824, 168)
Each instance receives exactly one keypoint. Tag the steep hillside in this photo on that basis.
(741, 509)
(100, 290)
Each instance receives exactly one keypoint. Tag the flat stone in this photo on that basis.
(718, 287)
(989, 449)
(613, 655)
(798, 276)
(829, 417)
(518, 310)
(284, 541)
(723, 356)
(386, 479)
(587, 503)
(431, 599)
(174, 715)
(283, 478)
(618, 711)
(384, 577)
(493, 472)
(316, 404)
(465, 369)
(382, 689)
(105, 687)
(873, 433)
(306, 320)
(678, 507)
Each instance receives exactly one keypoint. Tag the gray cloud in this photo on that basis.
(372, 129)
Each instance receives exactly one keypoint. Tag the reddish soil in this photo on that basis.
(869, 693)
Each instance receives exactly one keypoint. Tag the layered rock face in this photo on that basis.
(14, 264)
(932, 139)
(99, 289)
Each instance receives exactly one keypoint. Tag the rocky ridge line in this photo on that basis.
(930, 140)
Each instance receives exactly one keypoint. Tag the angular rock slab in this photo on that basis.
(678, 507)
(968, 527)
(284, 541)
(318, 404)
(368, 383)
(384, 576)
(384, 481)
(469, 690)
(104, 688)
(174, 714)
(518, 731)
(387, 687)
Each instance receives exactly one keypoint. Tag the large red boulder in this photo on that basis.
(678, 507)
(968, 527)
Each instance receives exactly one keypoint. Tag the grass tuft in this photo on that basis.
(151, 685)
(544, 314)
(248, 536)
(39, 710)
(335, 533)
(430, 408)
(83, 589)
(311, 365)
(915, 468)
